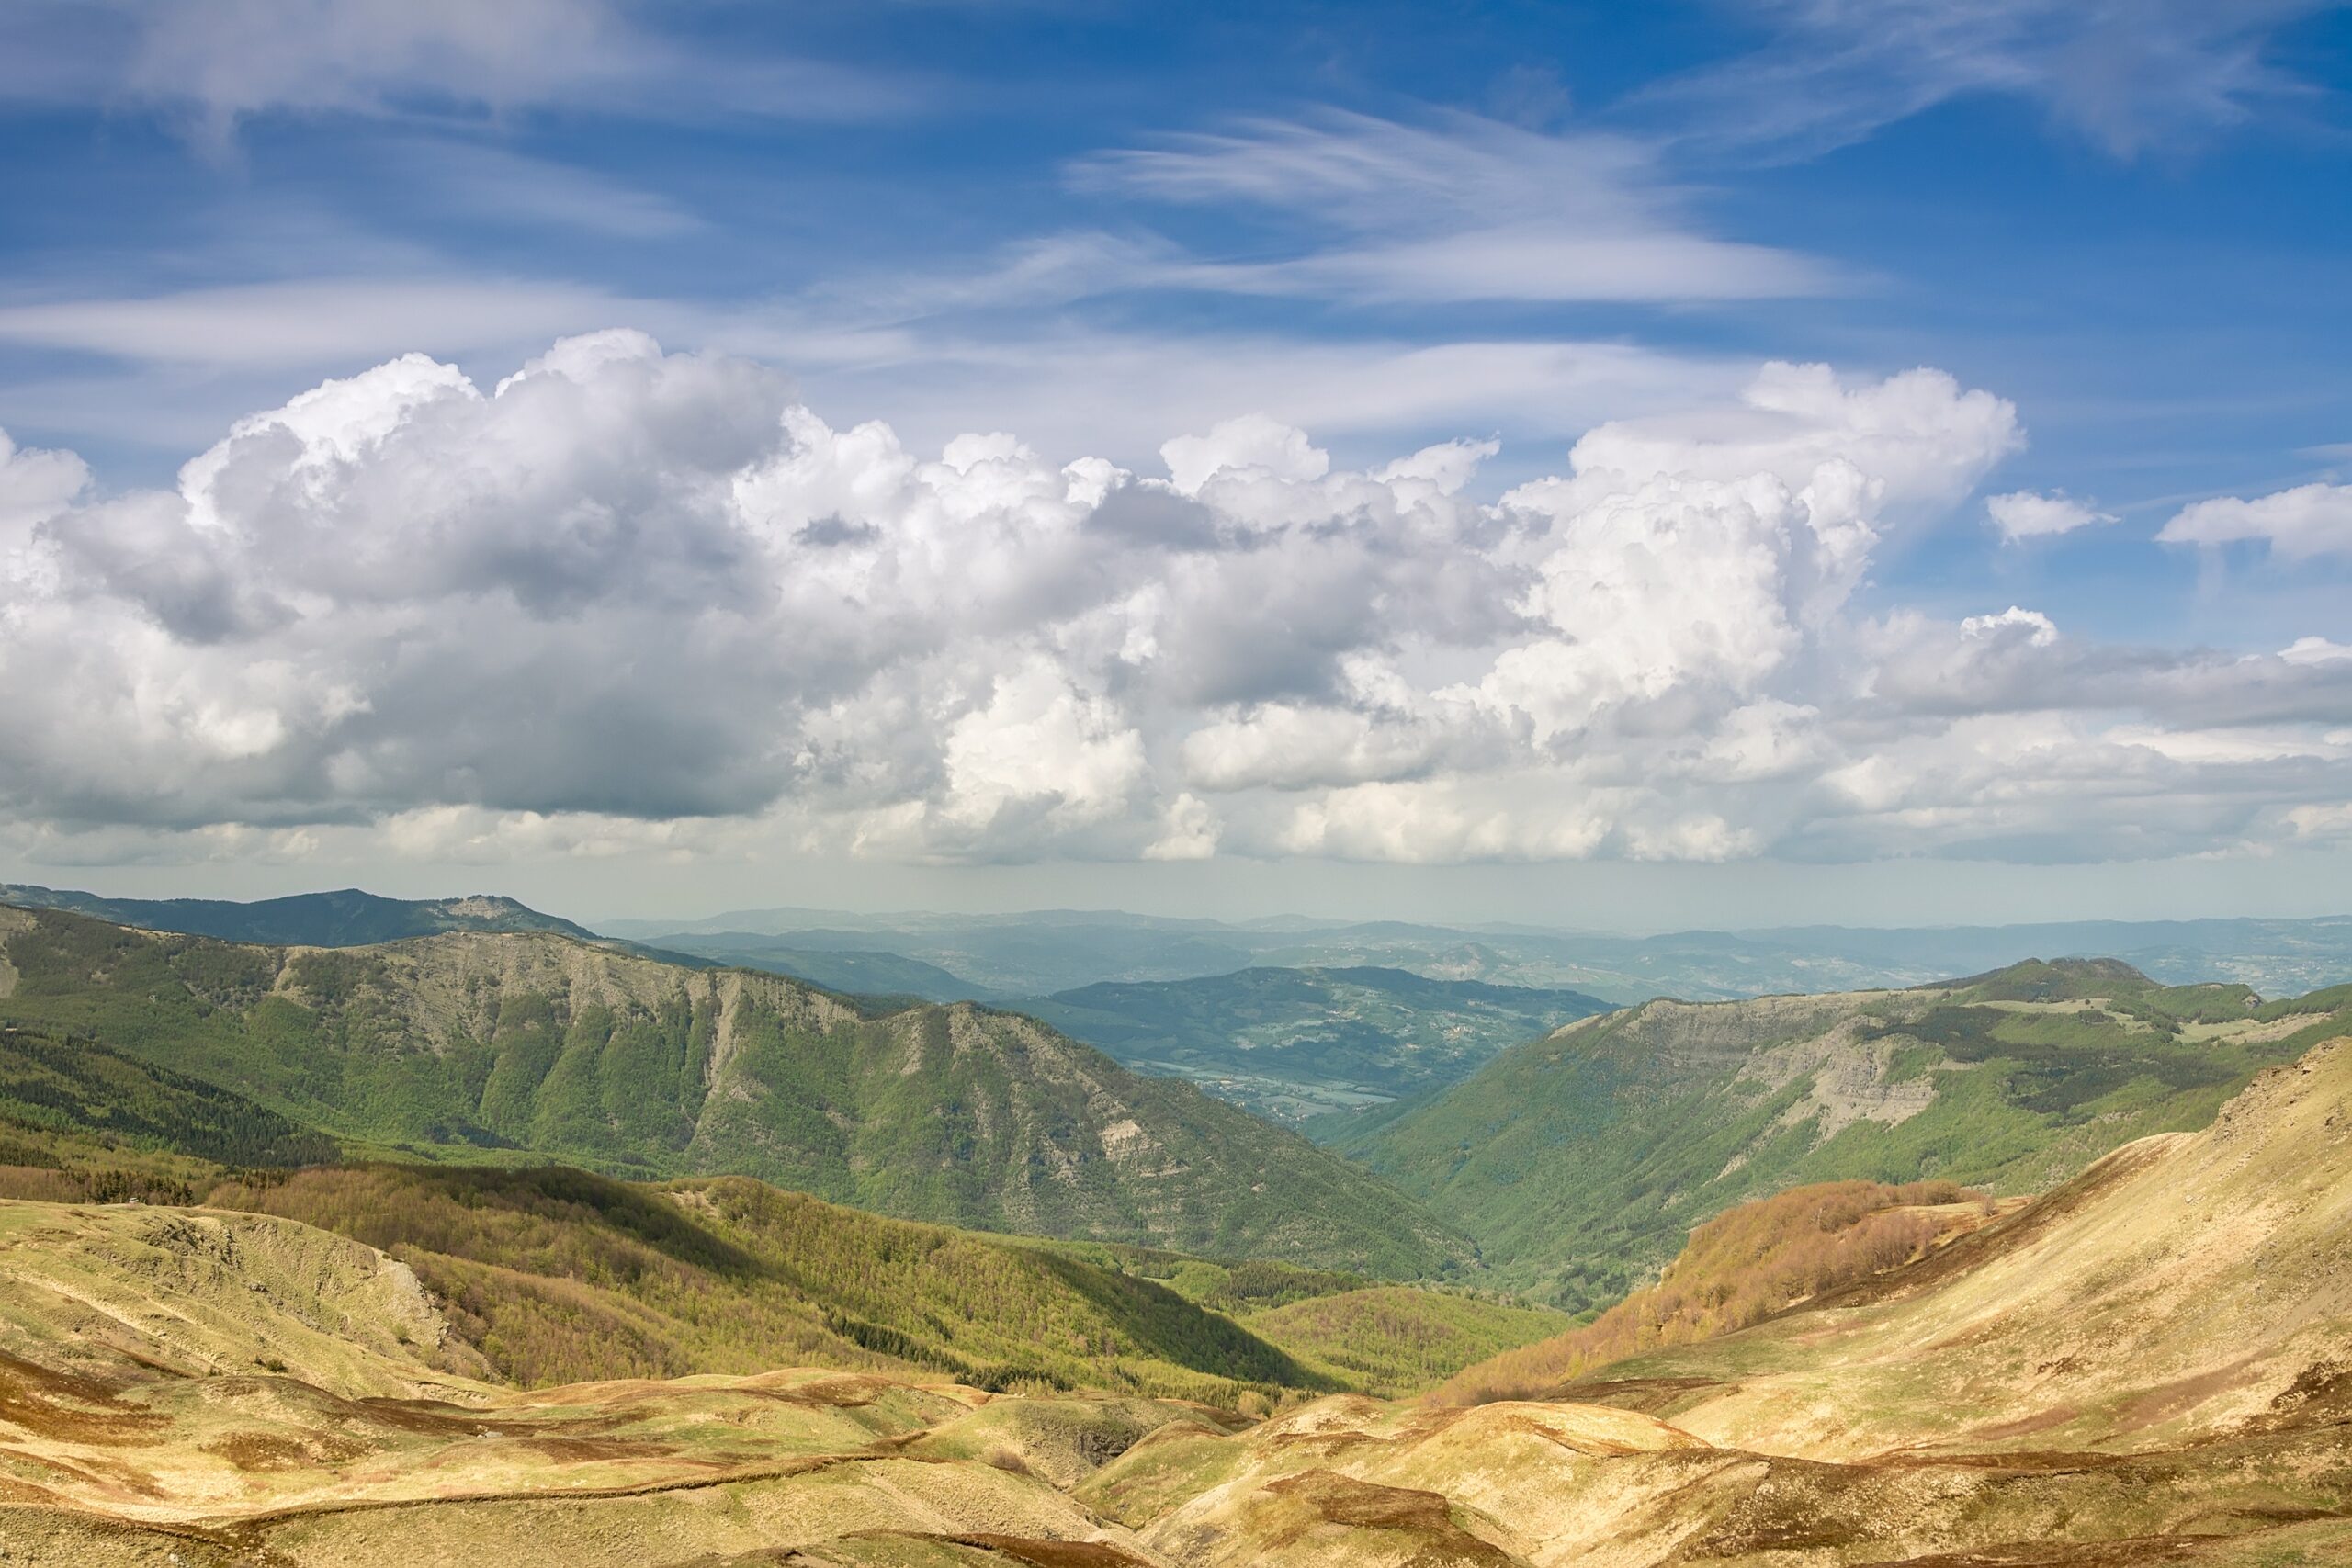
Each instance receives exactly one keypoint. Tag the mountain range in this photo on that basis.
(2143, 1366)
(501, 1046)
(1001, 956)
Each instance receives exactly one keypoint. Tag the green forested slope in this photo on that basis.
(85, 1091)
(562, 1276)
(1579, 1161)
(1293, 1044)
(477, 1046)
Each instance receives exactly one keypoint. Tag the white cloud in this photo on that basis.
(629, 602)
(1038, 741)
(2314, 651)
(34, 485)
(2298, 524)
(1460, 208)
(1191, 830)
(2129, 75)
(320, 321)
(218, 61)
(2024, 514)
(2034, 629)
(1252, 444)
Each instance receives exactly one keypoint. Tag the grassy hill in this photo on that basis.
(562, 1276)
(470, 1046)
(347, 918)
(1292, 1044)
(1579, 1161)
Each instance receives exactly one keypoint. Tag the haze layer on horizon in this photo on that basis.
(1737, 465)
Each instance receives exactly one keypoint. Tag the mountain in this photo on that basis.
(348, 917)
(1290, 1043)
(2190, 1287)
(2144, 1366)
(1045, 952)
(1578, 1161)
(473, 1046)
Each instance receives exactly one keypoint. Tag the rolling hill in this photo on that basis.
(1290, 1043)
(1578, 1161)
(497, 1047)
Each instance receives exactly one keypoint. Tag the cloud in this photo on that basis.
(624, 601)
(2130, 76)
(2298, 524)
(1462, 209)
(217, 62)
(2023, 514)
(320, 321)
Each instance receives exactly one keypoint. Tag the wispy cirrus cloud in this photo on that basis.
(2130, 76)
(1460, 208)
(214, 63)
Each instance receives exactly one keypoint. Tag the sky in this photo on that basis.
(1733, 462)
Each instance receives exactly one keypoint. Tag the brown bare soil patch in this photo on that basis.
(2166, 1400)
(2136, 1553)
(261, 1451)
(1342, 1500)
(2321, 1395)
(2027, 1426)
(1051, 1553)
(589, 1451)
(67, 1406)
(1648, 1395)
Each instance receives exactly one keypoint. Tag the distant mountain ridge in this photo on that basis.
(344, 917)
(1041, 953)
(1294, 1044)
(485, 1045)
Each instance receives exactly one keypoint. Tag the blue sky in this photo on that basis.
(1101, 228)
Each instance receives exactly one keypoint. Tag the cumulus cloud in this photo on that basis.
(624, 601)
(2309, 520)
(2023, 514)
